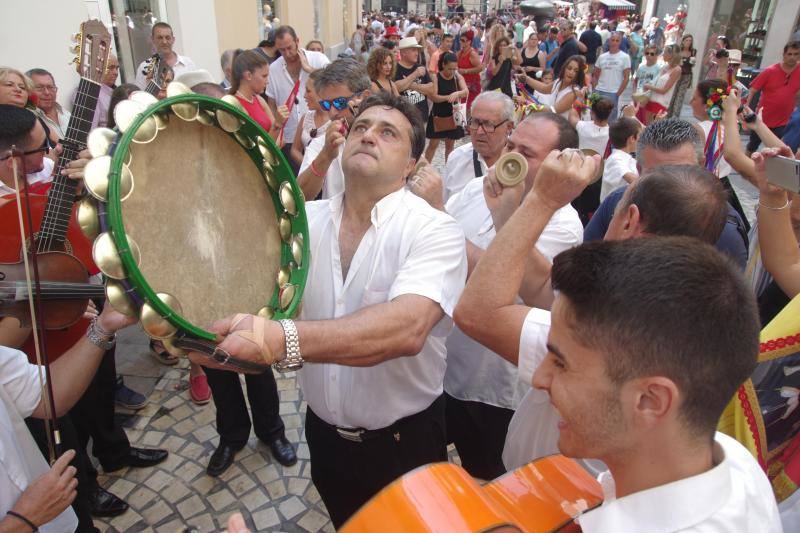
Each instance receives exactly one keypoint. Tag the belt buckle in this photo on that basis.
(353, 435)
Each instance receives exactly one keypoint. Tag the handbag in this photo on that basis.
(459, 115)
(441, 124)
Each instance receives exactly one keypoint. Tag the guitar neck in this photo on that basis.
(61, 196)
(152, 88)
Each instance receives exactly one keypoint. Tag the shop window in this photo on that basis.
(132, 24)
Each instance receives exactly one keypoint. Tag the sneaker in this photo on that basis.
(198, 389)
(158, 351)
(128, 398)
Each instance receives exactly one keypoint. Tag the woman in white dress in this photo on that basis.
(570, 86)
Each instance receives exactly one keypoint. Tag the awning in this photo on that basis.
(619, 4)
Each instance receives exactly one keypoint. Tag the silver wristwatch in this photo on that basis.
(293, 359)
(100, 338)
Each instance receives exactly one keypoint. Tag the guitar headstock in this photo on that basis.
(158, 72)
(92, 48)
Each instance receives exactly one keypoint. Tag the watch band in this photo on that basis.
(100, 338)
(293, 359)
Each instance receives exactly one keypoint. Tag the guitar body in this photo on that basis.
(11, 247)
(542, 496)
(57, 341)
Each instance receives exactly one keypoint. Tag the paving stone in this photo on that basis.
(231, 473)
(267, 474)
(205, 484)
(157, 512)
(266, 519)
(190, 470)
(291, 507)
(292, 421)
(297, 486)
(312, 521)
(204, 523)
(175, 492)
(158, 480)
(292, 435)
(122, 487)
(182, 412)
(173, 443)
(302, 451)
(193, 451)
(254, 499)
(171, 463)
(286, 383)
(289, 395)
(140, 497)
(293, 470)
(184, 427)
(221, 499)
(312, 495)
(241, 485)
(163, 423)
(252, 462)
(191, 506)
(205, 433)
(171, 527)
(276, 489)
(126, 520)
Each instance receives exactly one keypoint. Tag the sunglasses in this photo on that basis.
(650, 54)
(339, 103)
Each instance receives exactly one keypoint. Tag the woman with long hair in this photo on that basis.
(687, 54)
(495, 33)
(315, 122)
(249, 76)
(381, 67)
(505, 59)
(18, 90)
(661, 92)
(533, 59)
(717, 60)
(569, 87)
(469, 66)
(449, 88)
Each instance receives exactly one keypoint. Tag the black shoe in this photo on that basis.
(137, 458)
(283, 451)
(221, 459)
(103, 503)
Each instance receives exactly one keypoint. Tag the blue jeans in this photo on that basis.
(614, 98)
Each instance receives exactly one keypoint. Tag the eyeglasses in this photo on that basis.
(44, 148)
(339, 103)
(488, 127)
(46, 88)
(650, 54)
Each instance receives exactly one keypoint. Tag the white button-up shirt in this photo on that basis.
(334, 177)
(21, 462)
(410, 248)
(281, 83)
(181, 66)
(460, 170)
(474, 372)
(735, 495)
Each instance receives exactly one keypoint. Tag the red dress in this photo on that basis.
(256, 112)
(473, 80)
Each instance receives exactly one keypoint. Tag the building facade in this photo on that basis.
(39, 35)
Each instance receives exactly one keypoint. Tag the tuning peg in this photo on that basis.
(75, 49)
(76, 38)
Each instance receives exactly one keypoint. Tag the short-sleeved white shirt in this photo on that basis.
(460, 170)
(334, 177)
(410, 248)
(592, 136)
(474, 372)
(21, 462)
(613, 69)
(281, 83)
(616, 166)
(182, 65)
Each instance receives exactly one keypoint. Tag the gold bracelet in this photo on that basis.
(784, 206)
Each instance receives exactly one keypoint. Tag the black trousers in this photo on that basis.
(287, 148)
(479, 432)
(348, 473)
(93, 415)
(733, 199)
(85, 472)
(233, 420)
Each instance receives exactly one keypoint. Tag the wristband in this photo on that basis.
(20, 517)
(315, 171)
(784, 206)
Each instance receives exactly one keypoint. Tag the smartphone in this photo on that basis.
(784, 172)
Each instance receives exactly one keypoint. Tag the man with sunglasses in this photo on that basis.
(341, 86)
(489, 126)
(779, 84)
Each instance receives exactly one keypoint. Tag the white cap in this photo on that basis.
(408, 42)
(190, 79)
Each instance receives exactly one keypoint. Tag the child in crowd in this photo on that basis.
(620, 166)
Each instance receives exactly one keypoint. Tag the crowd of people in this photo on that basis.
(598, 308)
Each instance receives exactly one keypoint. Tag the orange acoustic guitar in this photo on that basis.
(545, 495)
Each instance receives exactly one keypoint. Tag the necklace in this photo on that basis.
(243, 97)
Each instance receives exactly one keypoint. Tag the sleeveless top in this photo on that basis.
(661, 81)
(445, 87)
(391, 84)
(256, 112)
(530, 61)
(473, 80)
(308, 126)
(560, 93)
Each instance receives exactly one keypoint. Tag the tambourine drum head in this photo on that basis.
(204, 221)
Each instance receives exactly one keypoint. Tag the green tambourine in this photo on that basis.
(195, 216)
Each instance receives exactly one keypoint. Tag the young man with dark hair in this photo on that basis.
(629, 369)
(163, 40)
(383, 257)
(620, 165)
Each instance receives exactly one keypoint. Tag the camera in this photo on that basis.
(722, 53)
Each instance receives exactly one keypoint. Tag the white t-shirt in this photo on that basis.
(612, 70)
(592, 136)
(460, 170)
(723, 167)
(616, 166)
(410, 248)
(474, 372)
(735, 495)
(281, 83)
(21, 462)
(334, 178)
